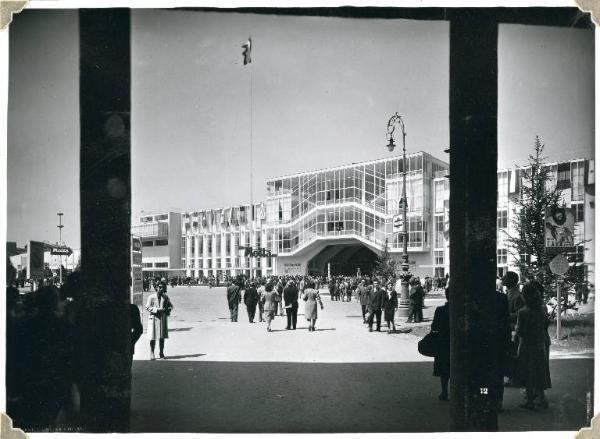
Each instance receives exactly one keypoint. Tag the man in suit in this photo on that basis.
(234, 297)
(136, 326)
(251, 298)
(375, 305)
(290, 297)
(363, 296)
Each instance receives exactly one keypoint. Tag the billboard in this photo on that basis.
(35, 260)
(559, 226)
(137, 286)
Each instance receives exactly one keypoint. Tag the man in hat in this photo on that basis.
(234, 297)
(251, 298)
(290, 297)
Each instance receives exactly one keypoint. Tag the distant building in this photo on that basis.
(336, 220)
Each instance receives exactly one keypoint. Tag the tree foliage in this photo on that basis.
(385, 266)
(526, 244)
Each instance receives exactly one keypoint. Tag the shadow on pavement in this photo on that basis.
(177, 357)
(180, 329)
(232, 397)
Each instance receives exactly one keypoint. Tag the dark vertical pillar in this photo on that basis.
(473, 163)
(105, 194)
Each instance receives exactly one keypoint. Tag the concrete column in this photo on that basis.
(473, 183)
(214, 254)
(263, 240)
(234, 253)
(104, 351)
(197, 255)
(188, 254)
(224, 250)
(253, 244)
(205, 254)
(243, 243)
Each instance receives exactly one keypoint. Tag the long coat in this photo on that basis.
(533, 367)
(311, 297)
(441, 325)
(363, 294)
(158, 309)
(290, 296)
(251, 297)
(270, 300)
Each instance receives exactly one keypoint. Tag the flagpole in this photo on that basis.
(251, 158)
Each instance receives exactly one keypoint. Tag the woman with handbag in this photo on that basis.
(390, 303)
(311, 297)
(441, 363)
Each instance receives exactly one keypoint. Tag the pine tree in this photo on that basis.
(386, 265)
(526, 245)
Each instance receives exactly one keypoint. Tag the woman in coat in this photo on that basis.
(270, 300)
(159, 306)
(311, 297)
(533, 368)
(441, 362)
(390, 303)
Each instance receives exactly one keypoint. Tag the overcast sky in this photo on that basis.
(323, 91)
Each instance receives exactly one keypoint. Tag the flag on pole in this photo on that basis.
(247, 46)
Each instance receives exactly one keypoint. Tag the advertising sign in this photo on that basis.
(35, 260)
(293, 268)
(137, 285)
(559, 229)
(398, 223)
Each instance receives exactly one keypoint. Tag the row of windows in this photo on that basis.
(155, 265)
(155, 243)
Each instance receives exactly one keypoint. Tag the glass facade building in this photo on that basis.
(329, 221)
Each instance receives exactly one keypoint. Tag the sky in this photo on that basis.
(322, 89)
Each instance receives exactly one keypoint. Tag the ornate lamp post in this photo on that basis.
(396, 119)
(60, 243)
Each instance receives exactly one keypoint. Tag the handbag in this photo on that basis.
(429, 345)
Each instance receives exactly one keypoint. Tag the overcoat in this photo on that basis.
(533, 366)
(157, 318)
(311, 297)
(270, 300)
(441, 325)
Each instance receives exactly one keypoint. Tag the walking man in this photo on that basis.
(363, 297)
(234, 297)
(375, 305)
(250, 300)
(290, 297)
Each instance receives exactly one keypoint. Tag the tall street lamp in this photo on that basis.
(60, 227)
(396, 119)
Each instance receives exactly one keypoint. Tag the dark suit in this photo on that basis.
(290, 298)
(234, 297)
(375, 307)
(136, 326)
(251, 298)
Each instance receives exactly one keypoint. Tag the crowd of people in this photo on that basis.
(44, 354)
(518, 323)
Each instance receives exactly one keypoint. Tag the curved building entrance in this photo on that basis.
(343, 259)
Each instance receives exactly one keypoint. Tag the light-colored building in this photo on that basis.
(161, 238)
(337, 220)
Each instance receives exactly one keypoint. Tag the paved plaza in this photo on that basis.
(221, 376)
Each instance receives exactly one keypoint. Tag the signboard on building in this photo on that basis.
(397, 223)
(559, 229)
(137, 284)
(35, 260)
(293, 269)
